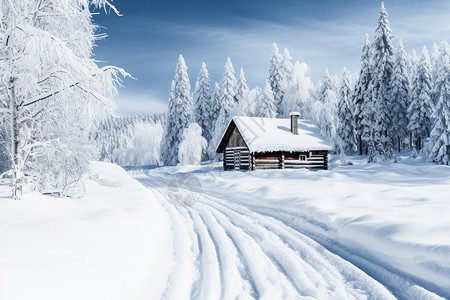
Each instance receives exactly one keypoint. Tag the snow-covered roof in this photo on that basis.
(271, 134)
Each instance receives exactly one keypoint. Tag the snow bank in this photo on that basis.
(114, 243)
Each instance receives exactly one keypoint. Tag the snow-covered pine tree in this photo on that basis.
(227, 99)
(363, 113)
(439, 143)
(192, 146)
(286, 69)
(421, 106)
(241, 95)
(380, 85)
(203, 103)
(266, 104)
(279, 76)
(180, 114)
(413, 62)
(346, 134)
(438, 63)
(400, 96)
(298, 96)
(434, 61)
(275, 77)
(325, 108)
(51, 90)
(226, 102)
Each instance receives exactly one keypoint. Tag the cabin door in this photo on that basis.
(237, 159)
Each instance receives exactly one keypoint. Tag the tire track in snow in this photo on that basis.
(399, 284)
(234, 284)
(295, 252)
(289, 233)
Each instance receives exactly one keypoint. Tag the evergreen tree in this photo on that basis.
(227, 103)
(346, 129)
(439, 142)
(215, 112)
(180, 113)
(279, 76)
(363, 113)
(439, 62)
(267, 108)
(241, 95)
(434, 61)
(203, 103)
(421, 106)
(380, 85)
(400, 95)
(325, 108)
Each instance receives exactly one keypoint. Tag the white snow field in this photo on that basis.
(367, 231)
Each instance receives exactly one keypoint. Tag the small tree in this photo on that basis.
(192, 146)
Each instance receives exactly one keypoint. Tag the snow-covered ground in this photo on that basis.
(375, 231)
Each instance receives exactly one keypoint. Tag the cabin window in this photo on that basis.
(302, 157)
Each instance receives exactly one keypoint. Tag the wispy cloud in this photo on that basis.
(323, 39)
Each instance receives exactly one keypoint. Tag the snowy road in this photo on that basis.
(226, 250)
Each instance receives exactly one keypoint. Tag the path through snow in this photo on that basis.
(226, 250)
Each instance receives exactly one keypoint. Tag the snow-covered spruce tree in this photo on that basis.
(192, 146)
(380, 85)
(346, 134)
(325, 108)
(275, 77)
(439, 62)
(434, 62)
(227, 103)
(299, 92)
(241, 95)
(421, 106)
(180, 114)
(363, 113)
(439, 143)
(51, 90)
(203, 103)
(266, 104)
(279, 76)
(400, 96)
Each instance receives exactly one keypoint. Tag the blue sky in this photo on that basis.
(147, 39)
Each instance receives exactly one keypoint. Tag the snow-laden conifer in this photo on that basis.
(242, 107)
(380, 86)
(421, 106)
(279, 77)
(439, 142)
(203, 103)
(363, 113)
(346, 134)
(180, 113)
(400, 96)
(266, 102)
(325, 108)
(299, 94)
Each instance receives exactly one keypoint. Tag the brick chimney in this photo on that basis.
(294, 122)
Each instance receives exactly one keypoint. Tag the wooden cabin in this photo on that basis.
(251, 143)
